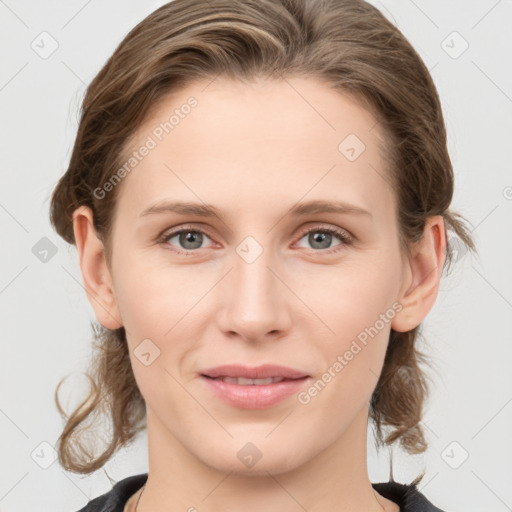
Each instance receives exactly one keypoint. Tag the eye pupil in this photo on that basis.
(324, 239)
(191, 237)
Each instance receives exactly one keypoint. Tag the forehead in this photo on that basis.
(257, 143)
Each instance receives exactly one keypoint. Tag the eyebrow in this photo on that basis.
(300, 209)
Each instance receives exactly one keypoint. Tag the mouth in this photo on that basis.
(242, 381)
(264, 371)
(253, 388)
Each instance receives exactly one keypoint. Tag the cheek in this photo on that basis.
(156, 305)
(152, 296)
(351, 297)
(355, 306)
(352, 364)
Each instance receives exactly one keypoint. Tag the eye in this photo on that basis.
(321, 238)
(188, 239)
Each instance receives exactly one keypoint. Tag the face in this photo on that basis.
(264, 280)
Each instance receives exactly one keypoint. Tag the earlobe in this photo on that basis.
(422, 275)
(95, 273)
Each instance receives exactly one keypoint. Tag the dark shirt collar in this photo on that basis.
(408, 498)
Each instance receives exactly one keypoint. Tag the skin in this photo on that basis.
(254, 151)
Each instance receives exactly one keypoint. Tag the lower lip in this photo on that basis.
(254, 396)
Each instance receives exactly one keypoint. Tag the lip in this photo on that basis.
(254, 396)
(254, 372)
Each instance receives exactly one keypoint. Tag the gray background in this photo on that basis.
(45, 313)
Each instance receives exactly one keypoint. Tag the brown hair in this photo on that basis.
(347, 43)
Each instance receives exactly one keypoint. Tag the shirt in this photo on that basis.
(406, 496)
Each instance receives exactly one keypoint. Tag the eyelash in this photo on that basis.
(346, 239)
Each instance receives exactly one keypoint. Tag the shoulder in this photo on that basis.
(115, 499)
(407, 496)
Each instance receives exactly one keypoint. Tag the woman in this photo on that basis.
(259, 194)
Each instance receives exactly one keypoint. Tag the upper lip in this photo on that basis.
(254, 372)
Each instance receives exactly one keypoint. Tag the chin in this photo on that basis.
(253, 459)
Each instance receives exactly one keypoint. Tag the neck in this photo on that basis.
(334, 479)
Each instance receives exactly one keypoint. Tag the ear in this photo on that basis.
(95, 272)
(422, 274)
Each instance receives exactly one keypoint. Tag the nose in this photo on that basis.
(255, 301)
